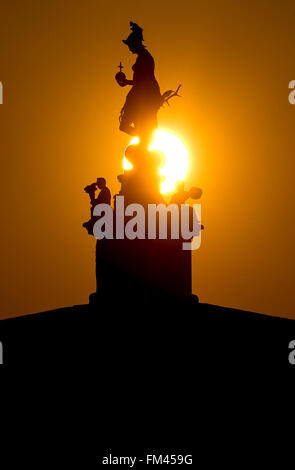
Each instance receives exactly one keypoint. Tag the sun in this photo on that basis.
(176, 163)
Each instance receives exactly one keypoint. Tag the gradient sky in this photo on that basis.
(59, 131)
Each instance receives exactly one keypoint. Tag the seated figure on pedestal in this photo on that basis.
(104, 197)
(181, 195)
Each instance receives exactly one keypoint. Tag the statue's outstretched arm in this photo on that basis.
(124, 82)
(121, 77)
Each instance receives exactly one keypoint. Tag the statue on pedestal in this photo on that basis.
(139, 114)
(148, 265)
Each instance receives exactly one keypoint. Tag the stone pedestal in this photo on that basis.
(141, 267)
(129, 268)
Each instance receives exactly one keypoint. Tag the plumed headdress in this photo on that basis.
(136, 36)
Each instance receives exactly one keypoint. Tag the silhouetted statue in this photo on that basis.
(104, 197)
(181, 195)
(151, 264)
(139, 113)
(142, 184)
(90, 190)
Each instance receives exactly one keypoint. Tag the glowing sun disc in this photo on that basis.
(176, 163)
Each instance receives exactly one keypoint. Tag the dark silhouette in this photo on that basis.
(90, 190)
(104, 197)
(181, 195)
(120, 76)
(142, 184)
(139, 113)
(148, 266)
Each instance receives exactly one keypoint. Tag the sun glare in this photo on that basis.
(176, 163)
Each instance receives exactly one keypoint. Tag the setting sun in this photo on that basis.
(176, 163)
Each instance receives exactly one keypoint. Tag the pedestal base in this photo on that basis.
(131, 267)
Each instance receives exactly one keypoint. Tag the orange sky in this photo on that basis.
(59, 131)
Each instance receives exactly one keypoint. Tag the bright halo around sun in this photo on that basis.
(176, 163)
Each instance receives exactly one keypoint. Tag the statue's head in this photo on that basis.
(135, 39)
(101, 183)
